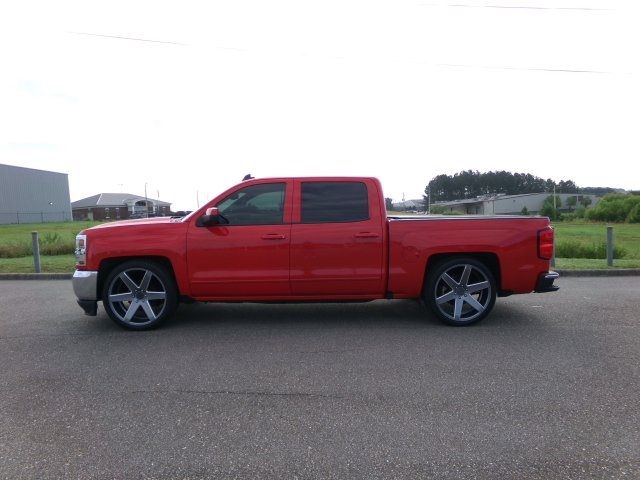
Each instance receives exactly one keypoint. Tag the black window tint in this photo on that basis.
(255, 205)
(324, 202)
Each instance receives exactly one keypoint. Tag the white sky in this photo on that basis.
(402, 90)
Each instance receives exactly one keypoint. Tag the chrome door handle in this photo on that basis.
(273, 236)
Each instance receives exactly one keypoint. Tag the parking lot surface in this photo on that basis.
(546, 387)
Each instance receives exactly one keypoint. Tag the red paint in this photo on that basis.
(292, 260)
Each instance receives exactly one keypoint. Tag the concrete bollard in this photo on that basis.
(35, 242)
(610, 246)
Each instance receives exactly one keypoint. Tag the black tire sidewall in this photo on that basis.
(438, 269)
(165, 277)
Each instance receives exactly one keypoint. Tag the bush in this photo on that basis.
(634, 215)
(15, 250)
(617, 207)
(58, 248)
(575, 249)
(580, 212)
(50, 244)
(50, 237)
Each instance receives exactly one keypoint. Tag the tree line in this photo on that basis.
(471, 184)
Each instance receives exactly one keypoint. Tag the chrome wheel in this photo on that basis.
(461, 291)
(137, 297)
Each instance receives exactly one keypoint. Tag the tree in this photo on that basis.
(388, 203)
(525, 211)
(571, 202)
(470, 184)
(600, 191)
(567, 186)
(585, 201)
(550, 208)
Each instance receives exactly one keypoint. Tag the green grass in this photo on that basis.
(625, 236)
(55, 238)
(594, 264)
(13, 233)
(51, 264)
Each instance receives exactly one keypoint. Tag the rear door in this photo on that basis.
(336, 239)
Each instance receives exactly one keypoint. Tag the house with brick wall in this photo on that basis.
(118, 206)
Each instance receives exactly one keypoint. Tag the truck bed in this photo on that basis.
(508, 243)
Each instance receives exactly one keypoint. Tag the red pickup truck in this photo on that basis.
(309, 239)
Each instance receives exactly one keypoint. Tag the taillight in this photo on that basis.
(545, 243)
(81, 250)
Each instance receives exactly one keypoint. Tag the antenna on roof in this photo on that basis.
(247, 177)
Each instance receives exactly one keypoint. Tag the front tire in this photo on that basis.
(139, 295)
(460, 291)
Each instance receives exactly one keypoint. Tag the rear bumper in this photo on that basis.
(545, 282)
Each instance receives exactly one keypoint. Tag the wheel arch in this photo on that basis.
(489, 259)
(109, 264)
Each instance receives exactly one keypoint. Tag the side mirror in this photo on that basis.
(211, 218)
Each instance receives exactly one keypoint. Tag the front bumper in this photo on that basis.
(545, 282)
(85, 286)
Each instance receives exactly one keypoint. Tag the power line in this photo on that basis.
(523, 7)
(127, 38)
(530, 69)
(454, 65)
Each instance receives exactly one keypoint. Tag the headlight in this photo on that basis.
(81, 250)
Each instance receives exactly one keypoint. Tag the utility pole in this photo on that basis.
(198, 198)
(146, 207)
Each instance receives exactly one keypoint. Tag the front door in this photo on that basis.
(248, 257)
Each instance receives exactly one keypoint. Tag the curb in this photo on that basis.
(621, 272)
(36, 276)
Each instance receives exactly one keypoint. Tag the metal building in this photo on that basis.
(509, 204)
(33, 196)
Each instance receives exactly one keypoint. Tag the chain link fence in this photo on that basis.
(33, 217)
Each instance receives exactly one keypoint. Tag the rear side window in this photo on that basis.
(326, 202)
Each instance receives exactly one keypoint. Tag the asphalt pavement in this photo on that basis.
(547, 387)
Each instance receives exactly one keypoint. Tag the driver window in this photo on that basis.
(255, 205)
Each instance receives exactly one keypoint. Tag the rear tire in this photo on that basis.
(460, 291)
(139, 295)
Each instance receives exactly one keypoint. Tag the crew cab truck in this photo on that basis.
(309, 239)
